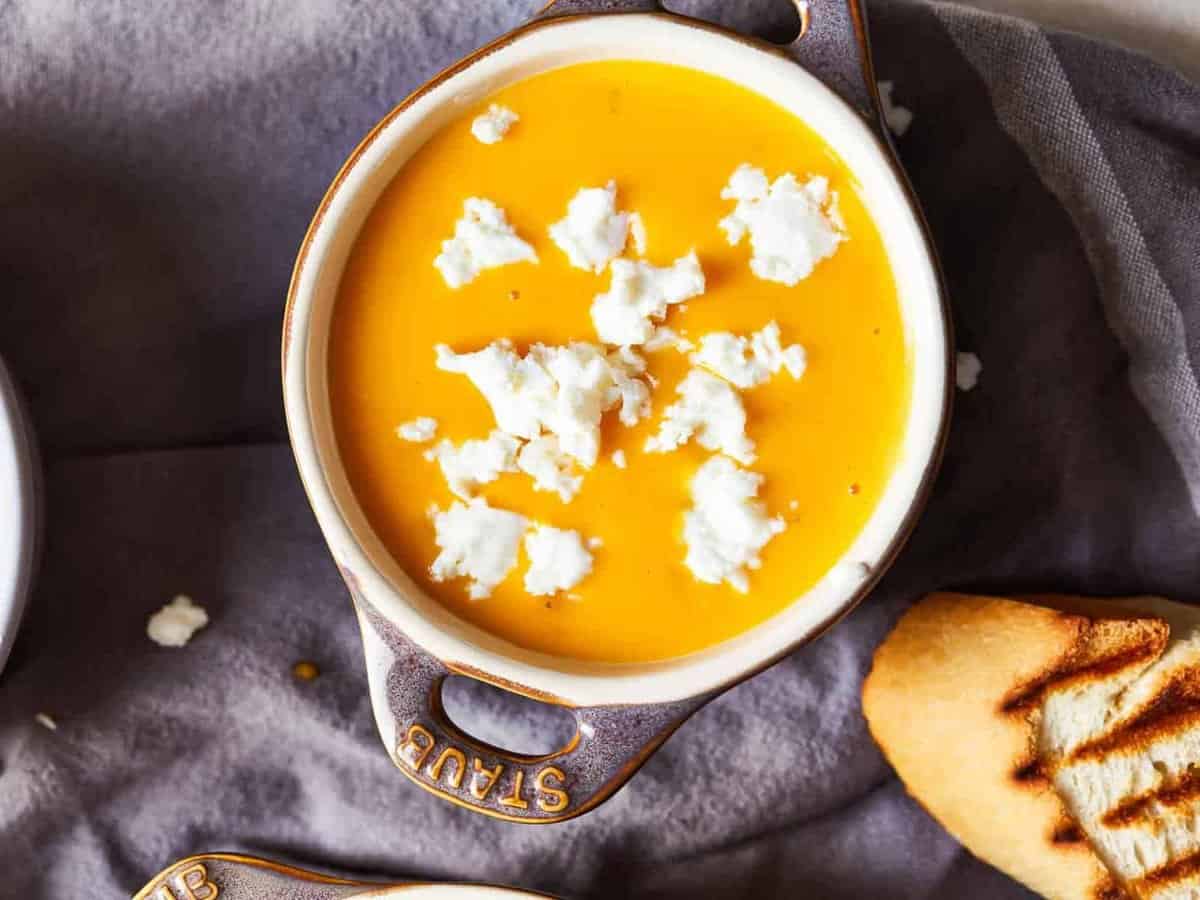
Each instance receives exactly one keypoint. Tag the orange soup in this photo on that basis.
(669, 138)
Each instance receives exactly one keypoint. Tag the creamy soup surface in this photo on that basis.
(670, 138)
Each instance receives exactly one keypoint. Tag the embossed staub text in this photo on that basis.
(192, 882)
(510, 789)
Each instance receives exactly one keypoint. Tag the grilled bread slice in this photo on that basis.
(1058, 739)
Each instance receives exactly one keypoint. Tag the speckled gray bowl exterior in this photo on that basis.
(610, 742)
(230, 876)
(411, 646)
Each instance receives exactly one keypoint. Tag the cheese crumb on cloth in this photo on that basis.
(176, 623)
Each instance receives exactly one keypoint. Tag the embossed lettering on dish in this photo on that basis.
(448, 768)
(191, 883)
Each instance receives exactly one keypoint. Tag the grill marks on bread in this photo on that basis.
(1110, 890)
(1160, 705)
(1101, 649)
(1172, 711)
(1169, 709)
(1032, 774)
(1171, 794)
(950, 701)
(1067, 832)
(1183, 869)
(1069, 720)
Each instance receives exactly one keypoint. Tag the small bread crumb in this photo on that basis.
(175, 623)
(967, 371)
(45, 721)
(898, 118)
(305, 670)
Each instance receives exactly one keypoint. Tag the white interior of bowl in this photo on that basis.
(17, 513)
(355, 546)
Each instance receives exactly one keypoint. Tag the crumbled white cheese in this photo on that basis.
(564, 390)
(747, 362)
(637, 231)
(475, 462)
(967, 370)
(419, 430)
(710, 410)
(897, 117)
(595, 543)
(551, 469)
(483, 239)
(662, 337)
(726, 527)
(791, 228)
(175, 623)
(593, 232)
(478, 542)
(619, 459)
(629, 386)
(493, 125)
(558, 560)
(640, 293)
(45, 721)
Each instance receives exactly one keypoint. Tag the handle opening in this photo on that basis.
(495, 718)
(774, 21)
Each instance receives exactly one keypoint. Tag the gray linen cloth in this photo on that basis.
(158, 166)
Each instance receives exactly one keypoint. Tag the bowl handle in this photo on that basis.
(597, 7)
(610, 742)
(833, 44)
(231, 876)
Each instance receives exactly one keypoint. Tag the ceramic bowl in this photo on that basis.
(232, 876)
(18, 512)
(411, 642)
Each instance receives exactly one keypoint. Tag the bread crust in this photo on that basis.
(953, 699)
